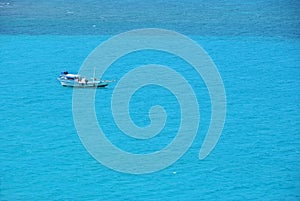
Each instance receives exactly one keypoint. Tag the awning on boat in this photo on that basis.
(72, 76)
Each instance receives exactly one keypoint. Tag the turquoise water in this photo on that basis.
(257, 156)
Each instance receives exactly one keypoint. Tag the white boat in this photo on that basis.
(74, 80)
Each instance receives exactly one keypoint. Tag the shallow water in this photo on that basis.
(257, 156)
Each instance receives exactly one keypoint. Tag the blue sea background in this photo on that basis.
(255, 46)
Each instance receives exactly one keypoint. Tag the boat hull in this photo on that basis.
(90, 84)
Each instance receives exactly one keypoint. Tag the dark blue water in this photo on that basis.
(218, 18)
(256, 48)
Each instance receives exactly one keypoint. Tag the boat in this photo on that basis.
(67, 79)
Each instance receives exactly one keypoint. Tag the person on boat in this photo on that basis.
(83, 80)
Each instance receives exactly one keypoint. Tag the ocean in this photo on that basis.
(255, 47)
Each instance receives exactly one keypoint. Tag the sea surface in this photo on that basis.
(255, 46)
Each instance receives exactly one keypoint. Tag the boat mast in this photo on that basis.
(94, 73)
